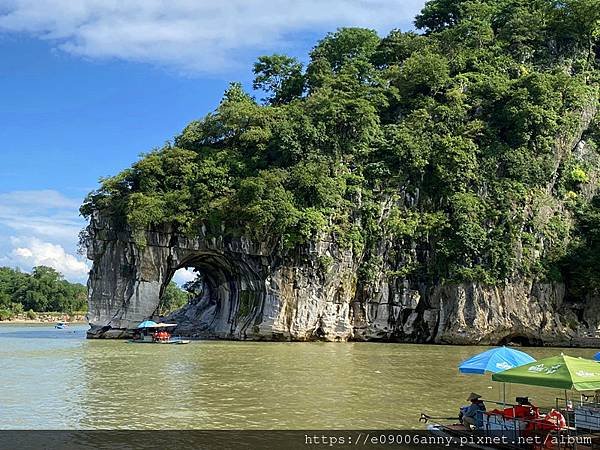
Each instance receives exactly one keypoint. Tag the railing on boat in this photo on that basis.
(517, 429)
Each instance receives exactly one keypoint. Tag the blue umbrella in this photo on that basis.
(495, 360)
(147, 324)
(597, 356)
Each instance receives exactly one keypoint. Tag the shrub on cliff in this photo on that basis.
(456, 143)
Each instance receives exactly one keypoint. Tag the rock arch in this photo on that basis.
(127, 280)
(252, 293)
(230, 305)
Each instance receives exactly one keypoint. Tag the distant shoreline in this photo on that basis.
(49, 318)
(41, 322)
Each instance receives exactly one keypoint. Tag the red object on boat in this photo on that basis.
(519, 412)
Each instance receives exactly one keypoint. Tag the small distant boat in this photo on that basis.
(61, 325)
(150, 332)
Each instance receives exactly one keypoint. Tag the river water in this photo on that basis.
(56, 379)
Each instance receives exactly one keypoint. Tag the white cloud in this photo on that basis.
(192, 35)
(33, 252)
(46, 197)
(41, 228)
(183, 276)
(43, 213)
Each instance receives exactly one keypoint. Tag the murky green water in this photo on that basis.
(55, 379)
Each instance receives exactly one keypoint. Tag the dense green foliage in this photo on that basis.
(43, 290)
(456, 143)
(172, 299)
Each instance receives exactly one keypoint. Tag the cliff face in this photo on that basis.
(253, 292)
(368, 180)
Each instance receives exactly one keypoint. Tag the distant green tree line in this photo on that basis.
(42, 290)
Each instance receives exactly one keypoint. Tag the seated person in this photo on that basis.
(524, 401)
(525, 408)
(470, 416)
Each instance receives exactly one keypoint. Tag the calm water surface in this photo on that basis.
(56, 379)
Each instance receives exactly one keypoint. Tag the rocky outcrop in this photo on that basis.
(253, 291)
(258, 290)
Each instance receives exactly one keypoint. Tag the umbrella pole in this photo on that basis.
(567, 409)
(504, 394)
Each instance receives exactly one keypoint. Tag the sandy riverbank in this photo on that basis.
(42, 318)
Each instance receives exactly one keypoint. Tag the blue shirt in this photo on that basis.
(473, 409)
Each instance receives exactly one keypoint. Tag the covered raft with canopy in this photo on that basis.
(568, 374)
(523, 425)
(150, 332)
(566, 423)
(490, 361)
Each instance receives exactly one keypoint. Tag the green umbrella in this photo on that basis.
(560, 372)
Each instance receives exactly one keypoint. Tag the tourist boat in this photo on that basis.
(149, 339)
(150, 332)
(523, 425)
(177, 341)
(61, 325)
(512, 427)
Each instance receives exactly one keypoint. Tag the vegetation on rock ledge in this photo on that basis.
(459, 145)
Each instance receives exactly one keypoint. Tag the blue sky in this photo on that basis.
(88, 85)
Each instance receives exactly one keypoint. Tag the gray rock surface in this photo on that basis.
(252, 291)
